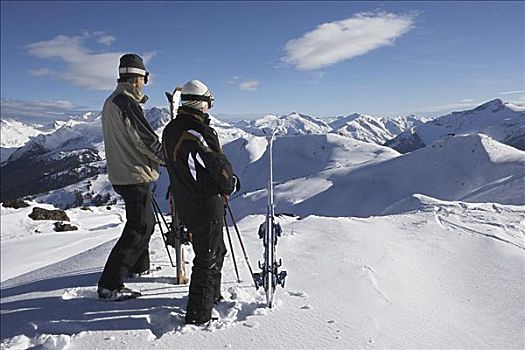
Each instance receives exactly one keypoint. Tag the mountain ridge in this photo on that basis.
(501, 121)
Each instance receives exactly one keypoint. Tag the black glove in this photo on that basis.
(237, 183)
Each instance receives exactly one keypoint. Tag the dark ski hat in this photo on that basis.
(132, 65)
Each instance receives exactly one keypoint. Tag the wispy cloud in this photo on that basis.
(515, 92)
(467, 103)
(250, 85)
(40, 110)
(106, 40)
(95, 71)
(333, 42)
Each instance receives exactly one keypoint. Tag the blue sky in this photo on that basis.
(317, 58)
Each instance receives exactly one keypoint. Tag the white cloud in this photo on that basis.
(250, 85)
(95, 71)
(333, 42)
(39, 109)
(106, 40)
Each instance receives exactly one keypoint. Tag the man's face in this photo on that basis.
(139, 83)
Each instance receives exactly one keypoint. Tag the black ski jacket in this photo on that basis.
(196, 163)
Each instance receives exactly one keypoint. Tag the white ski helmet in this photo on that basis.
(194, 94)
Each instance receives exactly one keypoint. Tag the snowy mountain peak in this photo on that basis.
(369, 129)
(15, 133)
(341, 121)
(493, 106)
(289, 124)
(300, 124)
(157, 118)
(89, 116)
(501, 121)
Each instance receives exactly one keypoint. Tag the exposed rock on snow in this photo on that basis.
(44, 214)
(62, 227)
(15, 203)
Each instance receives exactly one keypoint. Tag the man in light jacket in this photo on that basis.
(133, 156)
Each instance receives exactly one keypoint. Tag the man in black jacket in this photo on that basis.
(200, 174)
(133, 156)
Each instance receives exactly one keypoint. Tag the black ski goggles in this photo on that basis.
(208, 99)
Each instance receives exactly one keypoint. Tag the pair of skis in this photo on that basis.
(269, 231)
(178, 235)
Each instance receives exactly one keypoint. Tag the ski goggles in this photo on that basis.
(208, 99)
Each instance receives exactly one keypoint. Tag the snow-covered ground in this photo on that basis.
(442, 275)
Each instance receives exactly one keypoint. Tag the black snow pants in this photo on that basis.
(131, 253)
(204, 219)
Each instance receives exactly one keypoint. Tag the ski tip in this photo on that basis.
(169, 96)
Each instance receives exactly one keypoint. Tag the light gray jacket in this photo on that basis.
(133, 150)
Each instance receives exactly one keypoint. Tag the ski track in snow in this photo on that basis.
(450, 220)
(371, 275)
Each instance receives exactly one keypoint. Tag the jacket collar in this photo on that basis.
(195, 113)
(129, 90)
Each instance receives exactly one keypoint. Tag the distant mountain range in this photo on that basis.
(504, 122)
(52, 157)
(356, 126)
(57, 155)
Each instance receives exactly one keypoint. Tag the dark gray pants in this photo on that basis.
(131, 253)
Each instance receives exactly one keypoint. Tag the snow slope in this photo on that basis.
(444, 275)
(35, 242)
(365, 179)
(362, 179)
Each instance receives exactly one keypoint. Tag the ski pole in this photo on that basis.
(231, 247)
(156, 211)
(240, 241)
